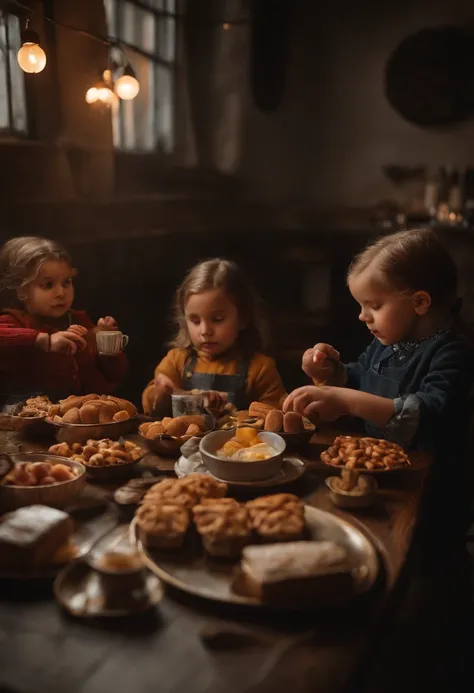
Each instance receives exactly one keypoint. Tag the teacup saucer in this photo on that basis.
(79, 590)
(291, 470)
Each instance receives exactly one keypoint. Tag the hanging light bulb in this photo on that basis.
(31, 57)
(101, 93)
(127, 85)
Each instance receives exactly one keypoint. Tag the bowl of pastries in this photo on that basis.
(296, 430)
(244, 454)
(165, 437)
(103, 459)
(372, 455)
(41, 478)
(27, 416)
(79, 418)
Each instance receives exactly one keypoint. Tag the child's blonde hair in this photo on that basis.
(226, 275)
(20, 262)
(412, 261)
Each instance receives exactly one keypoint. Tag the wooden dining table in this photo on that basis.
(191, 645)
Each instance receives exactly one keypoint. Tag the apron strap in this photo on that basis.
(189, 365)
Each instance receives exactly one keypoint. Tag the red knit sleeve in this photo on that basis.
(11, 335)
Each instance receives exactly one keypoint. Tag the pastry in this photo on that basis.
(224, 526)
(176, 427)
(39, 474)
(279, 517)
(293, 422)
(72, 416)
(204, 486)
(31, 536)
(163, 525)
(259, 410)
(274, 421)
(171, 491)
(296, 572)
(35, 406)
(121, 415)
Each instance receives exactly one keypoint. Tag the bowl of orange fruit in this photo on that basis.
(244, 454)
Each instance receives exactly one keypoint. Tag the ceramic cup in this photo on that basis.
(111, 342)
(123, 577)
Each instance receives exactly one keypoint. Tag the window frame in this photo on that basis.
(10, 131)
(156, 61)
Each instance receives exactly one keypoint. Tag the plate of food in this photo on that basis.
(26, 416)
(273, 551)
(78, 419)
(296, 430)
(103, 459)
(37, 541)
(373, 455)
(166, 436)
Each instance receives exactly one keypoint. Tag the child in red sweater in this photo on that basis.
(45, 347)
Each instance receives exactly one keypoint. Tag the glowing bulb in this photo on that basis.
(127, 87)
(92, 95)
(31, 57)
(105, 95)
(226, 26)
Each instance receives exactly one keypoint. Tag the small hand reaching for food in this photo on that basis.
(321, 363)
(215, 400)
(326, 402)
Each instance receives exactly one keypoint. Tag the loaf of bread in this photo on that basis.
(296, 572)
(30, 537)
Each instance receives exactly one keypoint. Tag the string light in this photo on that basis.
(127, 85)
(226, 26)
(102, 94)
(31, 57)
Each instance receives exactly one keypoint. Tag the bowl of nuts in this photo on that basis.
(103, 459)
(166, 437)
(372, 455)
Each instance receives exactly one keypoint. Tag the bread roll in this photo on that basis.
(89, 414)
(176, 427)
(70, 403)
(107, 412)
(274, 421)
(72, 416)
(293, 422)
(121, 416)
(124, 404)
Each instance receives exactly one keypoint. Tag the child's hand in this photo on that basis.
(163, 385)
(215, 400)
(80, 330)
(319, 362)
(327, 403)
(107, 323)
(67, 342)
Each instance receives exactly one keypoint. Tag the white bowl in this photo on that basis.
(238, 470)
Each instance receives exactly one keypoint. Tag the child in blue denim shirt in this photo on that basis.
(411, 384)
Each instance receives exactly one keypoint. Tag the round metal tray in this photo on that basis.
(190, 570)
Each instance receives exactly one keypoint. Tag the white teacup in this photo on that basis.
(111, 342)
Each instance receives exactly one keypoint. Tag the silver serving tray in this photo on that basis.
(190, 570)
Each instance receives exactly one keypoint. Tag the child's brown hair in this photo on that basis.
(20, 262)
(414, 260)
(218, 273)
